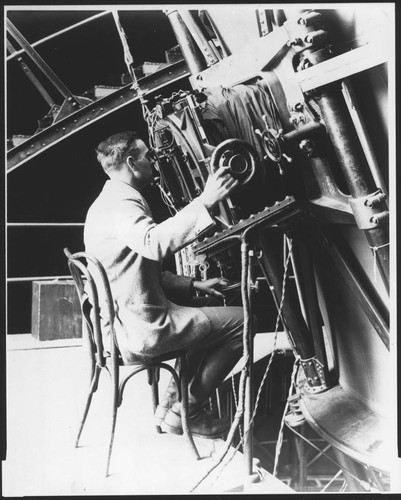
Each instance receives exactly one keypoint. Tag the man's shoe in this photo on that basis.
(200, 424)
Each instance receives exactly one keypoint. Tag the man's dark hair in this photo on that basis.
(113, 151)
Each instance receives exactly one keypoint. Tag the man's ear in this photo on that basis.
(131, 162)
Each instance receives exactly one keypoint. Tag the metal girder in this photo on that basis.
(30, 75)
(89, 114)
(42, 65)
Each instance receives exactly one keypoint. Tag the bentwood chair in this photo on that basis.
(91, 283)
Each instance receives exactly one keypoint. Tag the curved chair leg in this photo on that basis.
(184, 408)
(115, 401)
(153, 380)
(92, 389)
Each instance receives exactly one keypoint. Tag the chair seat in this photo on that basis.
(145, 361)
(158, 359)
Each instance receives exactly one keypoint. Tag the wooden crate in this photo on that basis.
(56, 313)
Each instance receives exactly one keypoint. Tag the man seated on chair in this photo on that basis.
(122, 234)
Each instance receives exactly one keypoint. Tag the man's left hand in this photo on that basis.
(211, 286)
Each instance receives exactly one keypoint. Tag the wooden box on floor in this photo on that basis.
(56, 312)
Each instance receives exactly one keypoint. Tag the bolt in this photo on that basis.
(310, 18)
(316, 37)
(307, 146)
(298, 106)
(374, 200)
(377, 219)
(293, 42)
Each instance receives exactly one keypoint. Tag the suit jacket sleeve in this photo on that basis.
(136, 227)
(176, 287)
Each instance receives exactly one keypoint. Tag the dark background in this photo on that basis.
(59, 184)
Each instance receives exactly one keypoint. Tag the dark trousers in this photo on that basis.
(212, 358)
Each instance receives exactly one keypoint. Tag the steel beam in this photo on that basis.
(89, 114)
(30, 75)
(42, 65)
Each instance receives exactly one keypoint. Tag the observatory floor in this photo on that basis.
(46, 384)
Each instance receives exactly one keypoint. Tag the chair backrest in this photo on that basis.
(97, 285)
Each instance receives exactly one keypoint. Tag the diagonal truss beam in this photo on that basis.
(41, 64)
(87, 115)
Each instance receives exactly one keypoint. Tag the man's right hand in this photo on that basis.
(218, 186)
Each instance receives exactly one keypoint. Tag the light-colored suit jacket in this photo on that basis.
(120, 232)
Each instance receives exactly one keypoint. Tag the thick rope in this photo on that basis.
(240, 410)
(235, 401)
(245, 369)
(129, 62)
(268, 365)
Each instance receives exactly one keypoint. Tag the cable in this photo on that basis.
(235, 401)
(129, 61)
(267, 368)
(246, 305)
(244, 371)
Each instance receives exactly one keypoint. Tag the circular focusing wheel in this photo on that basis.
(271, 145)
(238, 156)
(238, 165)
